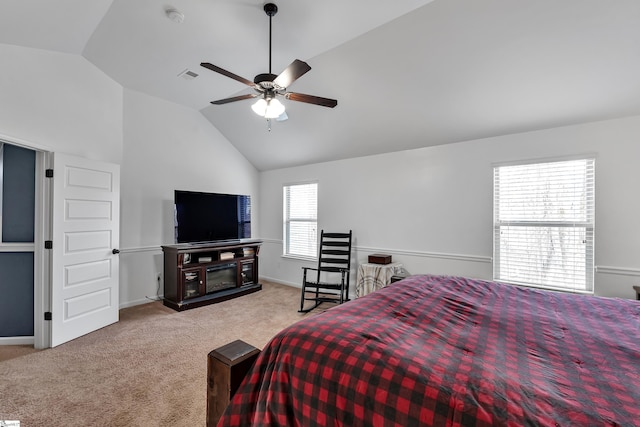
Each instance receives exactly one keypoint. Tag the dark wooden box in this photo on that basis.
(226, 368)
(380, 259)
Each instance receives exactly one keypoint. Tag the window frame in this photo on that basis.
(588, 224)
(312, 242)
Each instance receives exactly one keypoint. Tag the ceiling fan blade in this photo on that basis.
(227, 73)
(292, 73)
(310, 99)
(233, 99)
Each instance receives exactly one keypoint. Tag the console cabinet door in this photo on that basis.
(247, 272)
(191, 283)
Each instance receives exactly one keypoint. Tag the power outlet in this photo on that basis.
(159, 282)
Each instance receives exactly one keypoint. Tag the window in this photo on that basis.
(544, 224)
(301, 220)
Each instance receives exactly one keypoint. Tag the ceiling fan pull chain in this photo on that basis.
(269, 125)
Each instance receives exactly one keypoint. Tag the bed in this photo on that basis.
(450, 351)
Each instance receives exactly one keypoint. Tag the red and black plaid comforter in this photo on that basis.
(451, 351)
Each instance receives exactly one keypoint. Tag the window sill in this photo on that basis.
(300, 258)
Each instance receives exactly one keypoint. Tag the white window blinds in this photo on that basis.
(301, 220)
(544, 224)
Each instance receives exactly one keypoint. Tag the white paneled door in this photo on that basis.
(85, 232)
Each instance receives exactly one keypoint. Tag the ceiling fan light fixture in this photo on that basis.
(260, 107)
(275, 108)
(268, 108)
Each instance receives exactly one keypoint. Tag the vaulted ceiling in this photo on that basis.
(406, 73)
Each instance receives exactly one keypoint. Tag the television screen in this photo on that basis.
(208, 217)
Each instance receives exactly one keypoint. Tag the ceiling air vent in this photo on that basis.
(188, 74)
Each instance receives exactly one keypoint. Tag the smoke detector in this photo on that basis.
(175, 15)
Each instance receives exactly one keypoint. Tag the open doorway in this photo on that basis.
(18, 234)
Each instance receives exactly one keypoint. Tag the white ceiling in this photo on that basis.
(406, 73)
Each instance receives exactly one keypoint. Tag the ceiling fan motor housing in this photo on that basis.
(270, 9)
(265, 80)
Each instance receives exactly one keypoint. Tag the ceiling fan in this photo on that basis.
(269, 87)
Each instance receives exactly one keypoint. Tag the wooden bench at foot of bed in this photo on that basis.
(226, 368)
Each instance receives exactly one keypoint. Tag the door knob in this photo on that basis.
(115, 251)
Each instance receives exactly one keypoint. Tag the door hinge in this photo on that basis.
(48, 244)
(47, 315)
(48, 173)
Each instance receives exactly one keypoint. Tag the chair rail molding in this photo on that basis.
(623, 271)
(419, 254)
(141, 249)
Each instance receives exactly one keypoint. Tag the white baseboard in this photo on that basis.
(281, 282)
(297, 285)
(139, 302)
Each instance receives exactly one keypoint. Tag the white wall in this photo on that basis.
(168, 147)
(59, 102)
(56, 102)
(432, 208)
(62, 103)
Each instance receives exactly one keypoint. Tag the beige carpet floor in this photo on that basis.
(149, 369)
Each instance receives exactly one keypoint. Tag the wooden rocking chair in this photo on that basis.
(331, 281)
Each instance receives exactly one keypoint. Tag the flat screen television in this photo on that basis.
(210, 217)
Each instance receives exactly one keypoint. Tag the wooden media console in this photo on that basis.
(197, 274)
